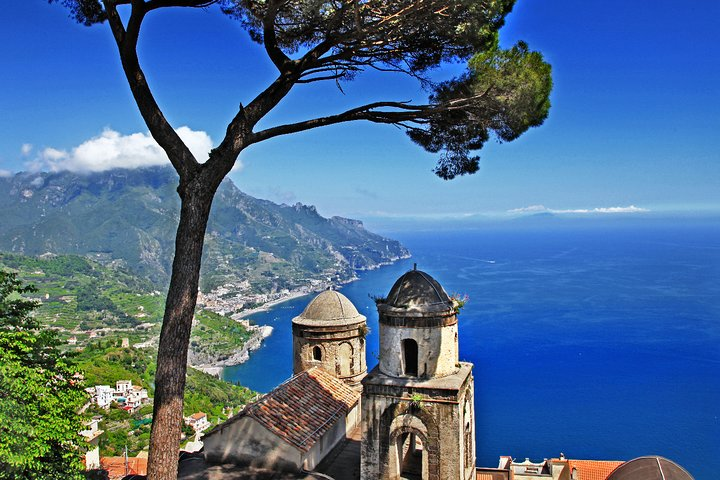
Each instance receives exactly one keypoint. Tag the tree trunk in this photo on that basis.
(196, 197)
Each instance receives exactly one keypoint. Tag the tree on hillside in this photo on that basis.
(501, 94)
(40, 394)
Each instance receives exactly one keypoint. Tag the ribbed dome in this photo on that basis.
(418, 291)
(329, 307)
(650, 468)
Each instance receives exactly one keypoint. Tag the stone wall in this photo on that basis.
(246, 442)
(343, 351)
(437, 349)
(438, 420)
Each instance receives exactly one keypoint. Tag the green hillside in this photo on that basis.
(130, 216)
(105, 362)
(93, 307)
(87, 301)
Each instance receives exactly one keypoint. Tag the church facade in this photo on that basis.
(414, 410)
(413, 414)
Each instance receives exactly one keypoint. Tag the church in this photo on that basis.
(413, 413)
(411, 417)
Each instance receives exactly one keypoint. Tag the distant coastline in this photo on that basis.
(215, 368)
(267, 306)
(261, 332)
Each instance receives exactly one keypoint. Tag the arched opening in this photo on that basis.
(317, 353)
(345, 359)
(468, 448)
(410, 453)
(410, 356)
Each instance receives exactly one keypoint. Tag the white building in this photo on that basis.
(198, 421)
(122, 386)
(135, 397)
(92, 436)
(104, 395)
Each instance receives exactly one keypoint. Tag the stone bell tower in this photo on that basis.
(418, 415)
(330, 333)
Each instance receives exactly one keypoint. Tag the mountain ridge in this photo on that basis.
(130, 216)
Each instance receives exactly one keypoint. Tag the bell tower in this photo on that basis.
(330, 333)
(418, 415)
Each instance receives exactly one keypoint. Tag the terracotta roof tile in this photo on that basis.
(115, 466)
(303, 408)
(486, 474)
(593, 469)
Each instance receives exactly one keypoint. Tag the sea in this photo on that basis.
(600, 340)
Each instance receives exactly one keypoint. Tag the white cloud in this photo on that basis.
(5, 173)
(113, 150)
(26, 149)
(529, 209)
(628, 209)
(542, 208)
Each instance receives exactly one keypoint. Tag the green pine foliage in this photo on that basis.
(40, 394)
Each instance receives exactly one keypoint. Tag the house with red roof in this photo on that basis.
(291, 428)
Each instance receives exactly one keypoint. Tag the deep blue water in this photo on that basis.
(602, 343)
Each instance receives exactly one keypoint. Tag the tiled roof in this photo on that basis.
(197, 416)
(491, 474)
(115, 466)
(302, 409)
(593, 469)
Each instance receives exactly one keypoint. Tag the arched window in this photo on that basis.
(317, 353)
(410, 356)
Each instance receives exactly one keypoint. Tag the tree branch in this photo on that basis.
(154, 4)
(277, 56)
(404, 112)
(365, 112)
(160, 129)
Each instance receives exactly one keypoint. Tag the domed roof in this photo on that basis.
(417, 291)
(329, 308)
(650, 468)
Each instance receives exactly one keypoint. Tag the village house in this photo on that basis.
(92, 438)
(125, 393)
(198, 421)
(562, 468)
(121, 387)
(104, 396)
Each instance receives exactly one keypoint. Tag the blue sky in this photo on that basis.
(634, 122)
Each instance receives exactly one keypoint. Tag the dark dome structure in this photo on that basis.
(419, 293)
(650, 468)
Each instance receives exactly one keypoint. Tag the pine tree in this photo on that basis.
(501, 95)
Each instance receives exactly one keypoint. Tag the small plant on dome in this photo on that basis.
(378, 298)
(363, 331)
(459, 300)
